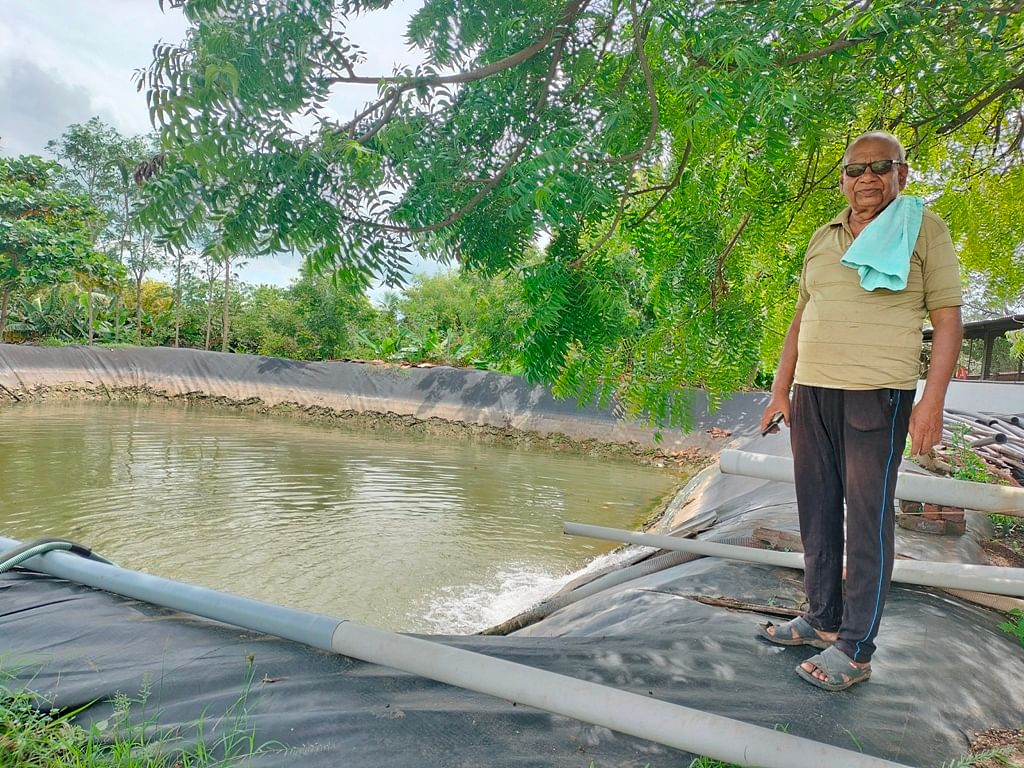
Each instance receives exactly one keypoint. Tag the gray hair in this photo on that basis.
(901, 153)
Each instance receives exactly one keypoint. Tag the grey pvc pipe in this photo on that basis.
(978, 578)
(986, 427)
(975, 415)
(689, 730)
(612, 578)
(982, 497)
(605, 581)
(998, 438)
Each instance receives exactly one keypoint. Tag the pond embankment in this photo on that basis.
(683, 634)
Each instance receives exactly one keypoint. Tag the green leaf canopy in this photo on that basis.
(670, 158)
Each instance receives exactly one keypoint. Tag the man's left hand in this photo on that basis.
(925, 426)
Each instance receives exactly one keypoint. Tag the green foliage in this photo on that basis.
(1007, 525)
(46, 234)
(1015, 624)
(968, 465)
(673, 156)
(313, 319)
(968, 761)
(97, 161)
(707, 762)
(983, 216)
(393, 344)
(35, 736)
(443, 302)
(454, 318)
(55, 312)
(1016, 339)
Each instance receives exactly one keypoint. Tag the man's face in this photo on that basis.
(870, 193)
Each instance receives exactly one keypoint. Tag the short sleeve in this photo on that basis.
(941, 268)
(804, 295)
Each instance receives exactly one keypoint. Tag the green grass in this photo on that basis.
(700, 762)
(34, 736)
(1007, 525)
(968, 465)
(967, 761)
(1014, 625)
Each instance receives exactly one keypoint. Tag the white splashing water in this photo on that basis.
(469, 608)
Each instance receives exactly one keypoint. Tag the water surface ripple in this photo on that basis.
(391, 529)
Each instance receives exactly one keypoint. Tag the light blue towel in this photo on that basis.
(881, 252)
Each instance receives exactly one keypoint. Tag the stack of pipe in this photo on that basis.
(997, 438)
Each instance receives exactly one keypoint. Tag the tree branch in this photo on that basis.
(719, 286)
(487, 184)
(374, 129)
(1017, 84)
(839, 45)
(567, 17)
(667, 188)
(639, 40)
(569, 14)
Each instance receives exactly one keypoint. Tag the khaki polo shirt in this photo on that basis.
(856, 339)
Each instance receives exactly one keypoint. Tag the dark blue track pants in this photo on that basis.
(847, 446)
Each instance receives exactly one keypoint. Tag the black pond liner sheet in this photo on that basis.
(460, 395)
(943, 670)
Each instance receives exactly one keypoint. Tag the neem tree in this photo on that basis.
(47, 235)
(670, 156)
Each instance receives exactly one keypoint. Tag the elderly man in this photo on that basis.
(853, 351)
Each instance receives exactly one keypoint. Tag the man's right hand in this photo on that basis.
(778, 404)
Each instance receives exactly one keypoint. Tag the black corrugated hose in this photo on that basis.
(15, 557)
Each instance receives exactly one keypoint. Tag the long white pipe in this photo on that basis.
(675, 726)
(983, 497)
(978, 578)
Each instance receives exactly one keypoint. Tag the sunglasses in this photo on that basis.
(878, 167)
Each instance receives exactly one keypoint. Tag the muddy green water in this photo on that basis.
(394, 530)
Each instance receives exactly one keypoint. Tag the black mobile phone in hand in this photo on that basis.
(775, 420)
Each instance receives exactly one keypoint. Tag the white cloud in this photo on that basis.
(280, 270)
(64, 61)
(91, 50)
(38, 105)
(381, 37)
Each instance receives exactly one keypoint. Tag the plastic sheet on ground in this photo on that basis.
(453, 394)
(943, 670)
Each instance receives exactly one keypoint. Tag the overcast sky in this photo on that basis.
(64, 61)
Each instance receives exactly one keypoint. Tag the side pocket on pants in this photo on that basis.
(869, 410)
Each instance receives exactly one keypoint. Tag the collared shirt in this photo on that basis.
(856, 339)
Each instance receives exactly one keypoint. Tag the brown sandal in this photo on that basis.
(838, 668)
(795, 632)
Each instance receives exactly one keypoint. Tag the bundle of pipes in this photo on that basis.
(996, 438)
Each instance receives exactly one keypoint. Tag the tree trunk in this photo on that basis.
(177, 299)
(6, 300)
(90, 311)
(125, 231)
(138, 308)
(3, 311)
(117, 314)
(227, 295)
(209, 303)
